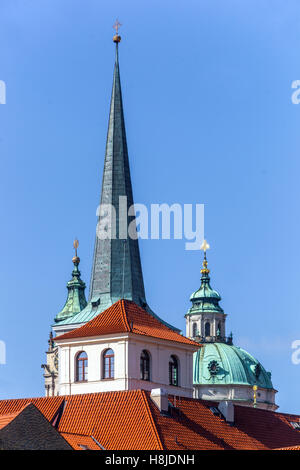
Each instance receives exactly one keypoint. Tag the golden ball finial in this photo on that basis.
(205, 269)
(117, 38)
(76, 260)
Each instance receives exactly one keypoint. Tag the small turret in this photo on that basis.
(76, 300)
(205, 299)
(205, 318)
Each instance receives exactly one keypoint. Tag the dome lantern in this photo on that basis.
(206, 318)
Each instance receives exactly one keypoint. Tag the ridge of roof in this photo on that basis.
(127, 326)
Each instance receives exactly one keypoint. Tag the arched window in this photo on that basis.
(173, 371)
(108, 364)
(219, 329)
(195, 330)
(82, 367)
(145, 365)
(207, 329)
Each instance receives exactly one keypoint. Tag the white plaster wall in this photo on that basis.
(95, 383)
(160, 354)
(127, 351)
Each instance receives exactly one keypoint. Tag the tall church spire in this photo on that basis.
(117, 271)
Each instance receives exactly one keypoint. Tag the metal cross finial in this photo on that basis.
(117, 25)
(76, 245)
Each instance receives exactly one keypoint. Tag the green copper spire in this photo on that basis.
(76, 300)
(117, 271)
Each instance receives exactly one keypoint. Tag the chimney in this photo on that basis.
(227, 410)
(160, 397)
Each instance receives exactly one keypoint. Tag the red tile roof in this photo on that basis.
(130, 420)
(47, 406)
(117, 420)
(290, 448)
(125, 316)
(6, 419)
(192, 425)
(79, 442)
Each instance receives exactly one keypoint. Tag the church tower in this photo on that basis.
(116, 271)
(221, 370)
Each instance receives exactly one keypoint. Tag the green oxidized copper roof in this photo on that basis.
(205, 299)
(76, 300)
(90, 310)
(117, 271)
(234, 366)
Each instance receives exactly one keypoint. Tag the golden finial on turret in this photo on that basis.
(116, 26)
(205, 246)
(76, 259)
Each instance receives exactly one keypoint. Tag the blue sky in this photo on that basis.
(207, 97)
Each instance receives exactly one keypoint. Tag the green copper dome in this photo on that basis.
(222, 364)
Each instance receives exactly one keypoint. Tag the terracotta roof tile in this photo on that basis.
(129, 420)
(6, 419)
(192, 425)
(47, 406)
(79, 442)
(125, 316)
(117, 420)
(289, 448)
